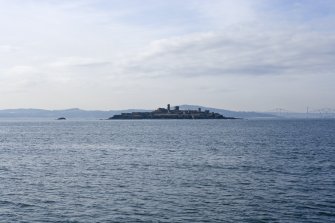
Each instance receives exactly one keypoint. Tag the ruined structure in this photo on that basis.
(168, 113)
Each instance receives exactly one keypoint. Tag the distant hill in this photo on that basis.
(96, 114)
(229, 113)
(68, 113)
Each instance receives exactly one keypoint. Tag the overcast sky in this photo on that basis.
(114, 54)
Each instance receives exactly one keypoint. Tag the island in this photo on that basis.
(168, 113)
(61, 118)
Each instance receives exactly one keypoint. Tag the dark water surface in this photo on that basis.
(167, 171)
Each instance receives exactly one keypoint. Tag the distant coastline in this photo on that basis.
(78, 114)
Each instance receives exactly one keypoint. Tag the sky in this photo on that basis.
(245, 55)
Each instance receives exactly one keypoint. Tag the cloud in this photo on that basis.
(78, 62)
(19, 78)
(8, 48)
(237, 53)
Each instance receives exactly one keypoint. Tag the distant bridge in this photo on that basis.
(324, 112)
(310, 113)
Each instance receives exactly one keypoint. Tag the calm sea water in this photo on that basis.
(167, 171)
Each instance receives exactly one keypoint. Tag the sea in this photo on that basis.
(274, 170)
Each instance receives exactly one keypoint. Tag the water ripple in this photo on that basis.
(168, 171)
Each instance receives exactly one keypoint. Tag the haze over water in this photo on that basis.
(167, 171)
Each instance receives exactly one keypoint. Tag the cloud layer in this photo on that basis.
(237, 53)
(119, 54)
